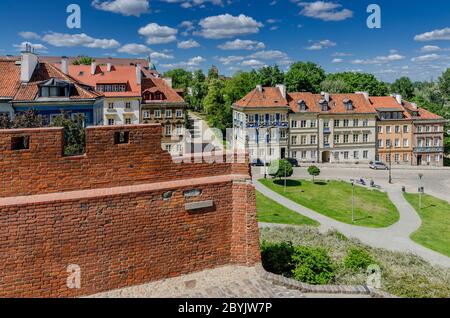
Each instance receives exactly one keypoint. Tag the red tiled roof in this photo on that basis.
(423, 113)
(9, 78)
(389, 102)
(267, 97)
(154, 84)
(46, 71)
(120, 74)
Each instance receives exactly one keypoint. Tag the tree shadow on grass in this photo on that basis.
(289, 183)
(321, 183)
(364, 218)
(429, 206)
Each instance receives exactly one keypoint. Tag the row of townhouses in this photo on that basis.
(107, 92)
(336, 128)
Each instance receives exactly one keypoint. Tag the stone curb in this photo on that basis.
(325, 289)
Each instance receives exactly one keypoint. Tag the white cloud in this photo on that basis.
(190, 64)
(269, 55)
(134, 49)
(158, 34)
(38, 48)
(253, 63)
(125, 7)
(443, 34)
(320, 45)
(337, 61)
(341, 54)
(228, 26)
(82, 39)
(327, 11)
(238, 44)
(27, 35)
(426, 58)
(380, 59)
(192, 3)
(227, 60)
(430, 48)
(161, 56)
(189, 44)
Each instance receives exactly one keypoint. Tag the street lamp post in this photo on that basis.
(353, 202)
(420, 191)
(390, 164)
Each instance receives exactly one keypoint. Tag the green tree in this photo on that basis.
(213, 73)
(361, 82)
(314, 172)
(404, 87)
(304, 77)
(83, 60)
(270, 76)
(444, 84)
(337, 86)
(180, 78)
(199, 90)
(218, 114)
(238, 86)
(281, 169)
(5, 122)
(28, 119)
(74, 133)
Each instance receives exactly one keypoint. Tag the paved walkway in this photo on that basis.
(395, 237)
(236, 282)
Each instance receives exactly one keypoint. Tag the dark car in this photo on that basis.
(257, 163)
(293, 162)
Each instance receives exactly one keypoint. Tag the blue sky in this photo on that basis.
(414, 39)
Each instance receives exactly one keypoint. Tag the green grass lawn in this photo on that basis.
(373, 208)
(435, 230)
(270, 211)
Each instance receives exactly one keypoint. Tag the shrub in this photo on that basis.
(277, 258)
(281, 169)
(358, 259)
(312, 265)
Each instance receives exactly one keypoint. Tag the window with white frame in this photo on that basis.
(355, 122)
(365, 154)
(168, 130)
(313, 140)
(294, 140)
(405, 143)
(157, 113)
(356, 154)
(346, 122)
(355, 138)
(405, 129)
(179, 129)
(303, 124)
(365, 122)
(294, 124)
(346, 136)
(313, 124)
(397, 157)
(168, 113)
(146, 114)
(127, 121)
(365, 137)
(111, 122)
(345, 154)
(179, 113)
(337, 139)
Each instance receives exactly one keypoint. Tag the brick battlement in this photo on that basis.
(126, 214)
(43, 169)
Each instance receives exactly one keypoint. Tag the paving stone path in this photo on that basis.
(395, 237)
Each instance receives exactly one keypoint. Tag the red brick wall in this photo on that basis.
(43, 168)
(119, 240)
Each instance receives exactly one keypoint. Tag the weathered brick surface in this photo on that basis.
(43, 168)
(122, 239)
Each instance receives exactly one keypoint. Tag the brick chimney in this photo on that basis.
(64, 65)
(28, 64)
(93, 68)
(138, 74)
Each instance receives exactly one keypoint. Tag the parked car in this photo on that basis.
(257, 163)
(378, 165)
(293, 162)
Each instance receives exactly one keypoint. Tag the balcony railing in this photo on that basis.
(327, 130)
(428, 149)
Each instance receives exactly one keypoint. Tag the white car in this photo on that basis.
(378, 165)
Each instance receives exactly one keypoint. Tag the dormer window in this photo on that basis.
(348, 104)
(302, 106)
(55, 88)
(323, 105)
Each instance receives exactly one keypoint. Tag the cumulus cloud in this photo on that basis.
(192, 3)
(228, 26)
(442, 34)
(253, 63)
(189, 44)
(426, 58)
(269, 55)
(227, 60)
(190, 64)
(430, 48)
(134, 49)
(158, 34)
(125, 7)
(337, 61)
(320, 45)
(28, 35)
(238, 44)
(327, 11)
(380, 59)
(82, 39)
